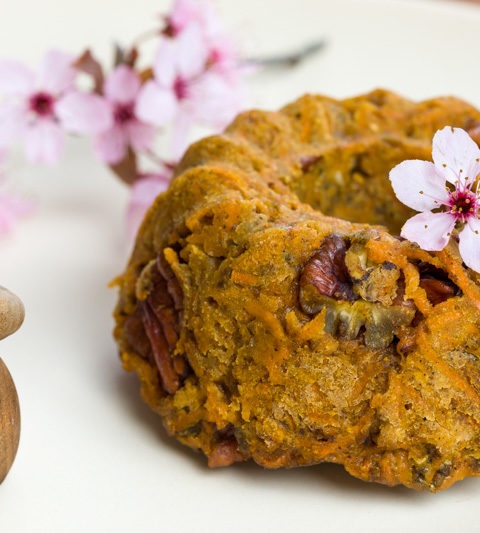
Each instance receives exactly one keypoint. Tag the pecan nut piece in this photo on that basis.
(225, 453)
(381, 323)
(161, 352)
(436, 283)
(153, 329)
(372, 282)
(437, 290)
(327, 272)
(136, 334)
(331, 279)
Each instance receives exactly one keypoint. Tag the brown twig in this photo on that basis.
(145, 36)
(126, 170)
(290, 59)
(88, 64)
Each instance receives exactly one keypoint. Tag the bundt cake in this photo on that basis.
(272, 313)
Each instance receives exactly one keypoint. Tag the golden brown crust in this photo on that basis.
(245, 361)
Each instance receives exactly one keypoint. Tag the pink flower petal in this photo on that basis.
(224, 55)
(181, 127)
(12, 208)
(155, 105)
(84, 113)
(140, 135)
(191, 52)
(469, 245)
(455, 154)
(111, 145)
(186, 12)
(210, 20)
(56, 73)
(183, 12)
(122, 85)
(13, 119)
(15, 78)
(164, 66)
(44, 142)
(430, 230)
(418, 184)
(215, 101)
(144, 192)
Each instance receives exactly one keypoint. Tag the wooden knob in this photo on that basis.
(9, 421)
(12, 313)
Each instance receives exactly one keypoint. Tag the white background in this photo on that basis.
(92, 456)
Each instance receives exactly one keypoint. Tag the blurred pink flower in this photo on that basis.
(222, 51)
(186, 90)
(449, 186)
(223, 56)
(38, 108)
(143, 193)
(123, 129)
(12, 207)
(187, 12)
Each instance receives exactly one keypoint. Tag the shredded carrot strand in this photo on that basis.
(276, 329)
(244, 278)
(380, 251)
(314, 328)
(437, 362)
(413, 290)
(268, 318)
(459, 275)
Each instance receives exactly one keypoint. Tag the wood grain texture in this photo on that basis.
(9, 421)
(12, 313)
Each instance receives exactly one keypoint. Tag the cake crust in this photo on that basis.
(271, 313)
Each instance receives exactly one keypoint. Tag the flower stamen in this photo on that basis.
(42, 104)
(123, 113)
(180, 88)
(463, 204)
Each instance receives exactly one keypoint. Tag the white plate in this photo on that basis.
(92, 455)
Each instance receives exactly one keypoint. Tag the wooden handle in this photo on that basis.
(12, 313)
(9, 421)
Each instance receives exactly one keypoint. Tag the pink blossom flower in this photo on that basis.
(222, 55)
(12, 208)
(187, 12)
(186, 90)
(143, 193)
(447, 194)
(38, 108)
(123, 129)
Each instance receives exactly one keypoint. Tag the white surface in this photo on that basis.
(92, 456)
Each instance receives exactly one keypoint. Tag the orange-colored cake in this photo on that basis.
(272, 314)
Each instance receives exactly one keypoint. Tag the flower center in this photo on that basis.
(214, 57)
(42, 104)
(181, 88)
(170, 29)
(123, 113)
(463, 204)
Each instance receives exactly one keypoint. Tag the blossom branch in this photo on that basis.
(290, 59)
(197, 77)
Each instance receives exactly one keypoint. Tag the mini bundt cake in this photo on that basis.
(271, 312)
